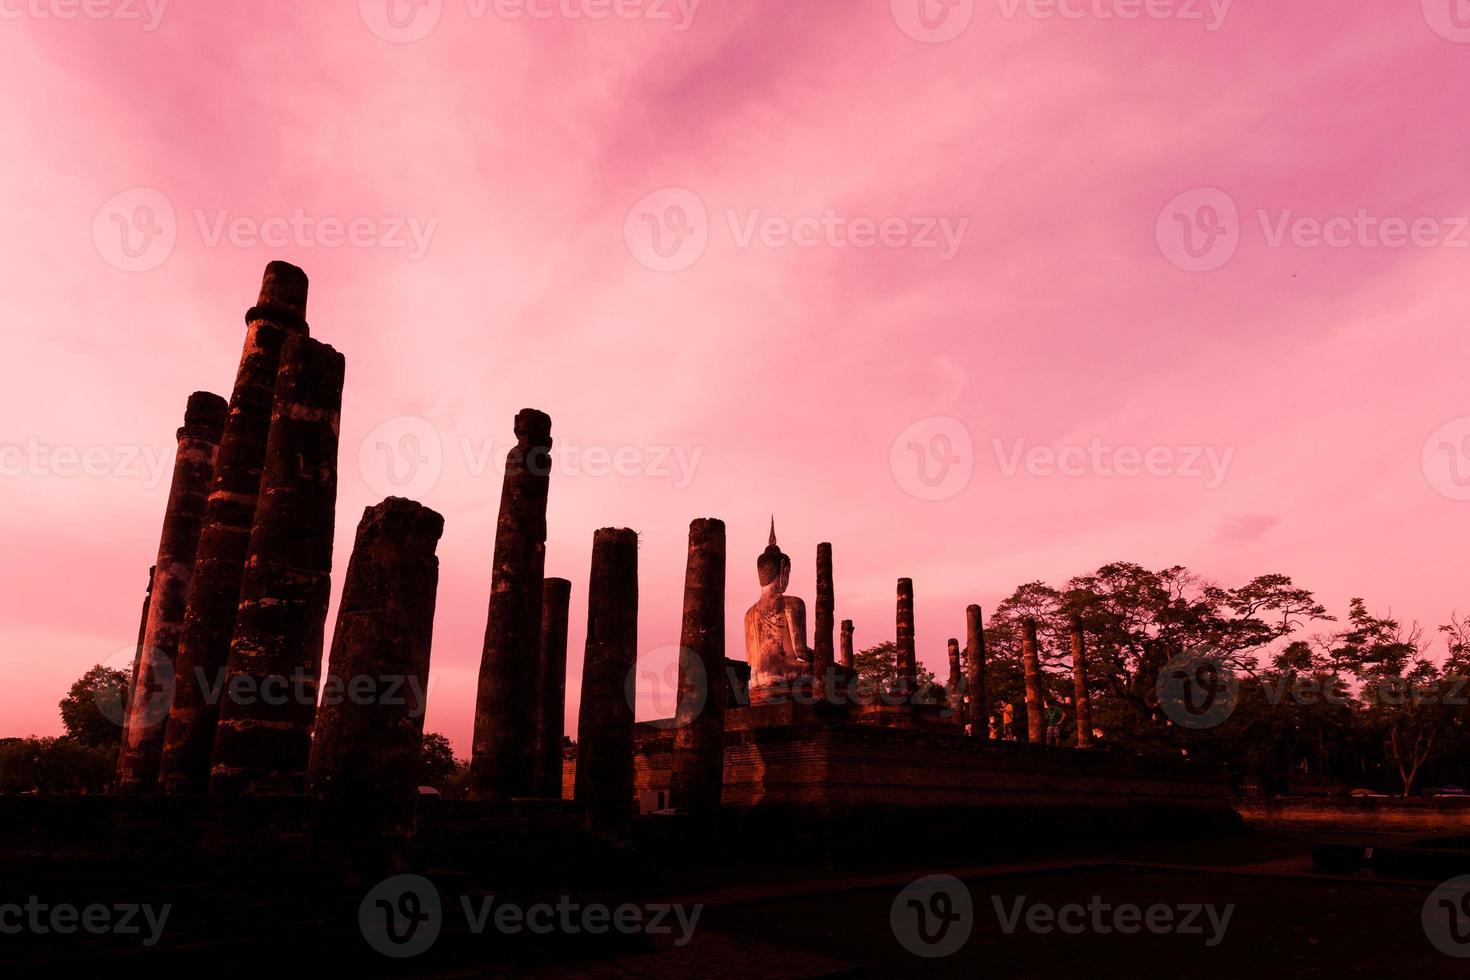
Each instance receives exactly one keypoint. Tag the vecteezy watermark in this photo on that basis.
(933, 916)
(1200, 230)
(302, 687)
(932, 21)
(1189, 462)
(933, 459)
(1445, 459)
(65, 919)
(146, 13)
(403, 915)
(668, 230)
(1450, 19)
(406, 457)
(137, 230)
(1102, 918)
(1446, 917)
(1210, 13)
(1197, 689)
(35, 459)
(406, 21)
(668, 687)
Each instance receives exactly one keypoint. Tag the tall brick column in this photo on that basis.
(1031, 668)
(153, 684)
(604, 782)
(214, 593)
(954, 686)
(908, 665)
(263, 741)
(698, 774)
(975, 676)
(504, 760)
(1079, 682)
(847, 643)
(370, 728)
(822, 656)
(126, 695)
(551, 694)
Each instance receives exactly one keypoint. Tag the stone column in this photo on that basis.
(370, 729)
(975, 679)
(504, 760)
(1035, 703)
(551, 696)
(822, 658)
(698, 774)
(263, 741)
(954, 687)
(214, 593)
(120, 710)
(847, 643)
(153, 683)
(604, 782)
(908, 665)
(1079, 682)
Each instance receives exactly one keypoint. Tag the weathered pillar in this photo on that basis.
(908, 665)
(604, 782)
(120, 710)
(153, 682)
(975, 679)
(504, 760)
(370, 728)
(954, 687)
(1031, 667)
(698, 774)
(214, 593)
(847, 643)
(822, 658)
(263, 741)
(551, 696)
(1079, 681)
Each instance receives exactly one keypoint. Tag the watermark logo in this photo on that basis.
(148, 13)
(401, 21)
(65, 919)
(1199, 230)
(146, 464)
(1445, 459)
(1450, 19)
(1105, 918)
(933, 917)
(934, 458)
(402, 457)
(1211, 13)
(653, 687)
(1209, 464)
(667, 230)
(1446, 917)
(932, 21)
(135, 230)
(1197, 689)
(401, 916)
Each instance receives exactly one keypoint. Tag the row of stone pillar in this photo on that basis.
(225, 692)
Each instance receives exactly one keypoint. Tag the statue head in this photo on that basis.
(773, 566)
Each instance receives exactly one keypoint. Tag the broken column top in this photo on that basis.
(557, 586)
(204, 417)
(405, 520)
(533, 428)
(282, 296)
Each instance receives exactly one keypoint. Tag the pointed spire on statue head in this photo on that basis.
(771, 562)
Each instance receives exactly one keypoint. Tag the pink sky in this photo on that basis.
(521, 147)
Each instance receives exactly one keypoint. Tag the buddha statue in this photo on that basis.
(775, 627)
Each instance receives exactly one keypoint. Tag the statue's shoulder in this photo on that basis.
(794, 602)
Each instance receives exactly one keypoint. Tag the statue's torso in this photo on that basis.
(774, 639)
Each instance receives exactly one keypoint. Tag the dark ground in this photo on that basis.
(765, 920)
